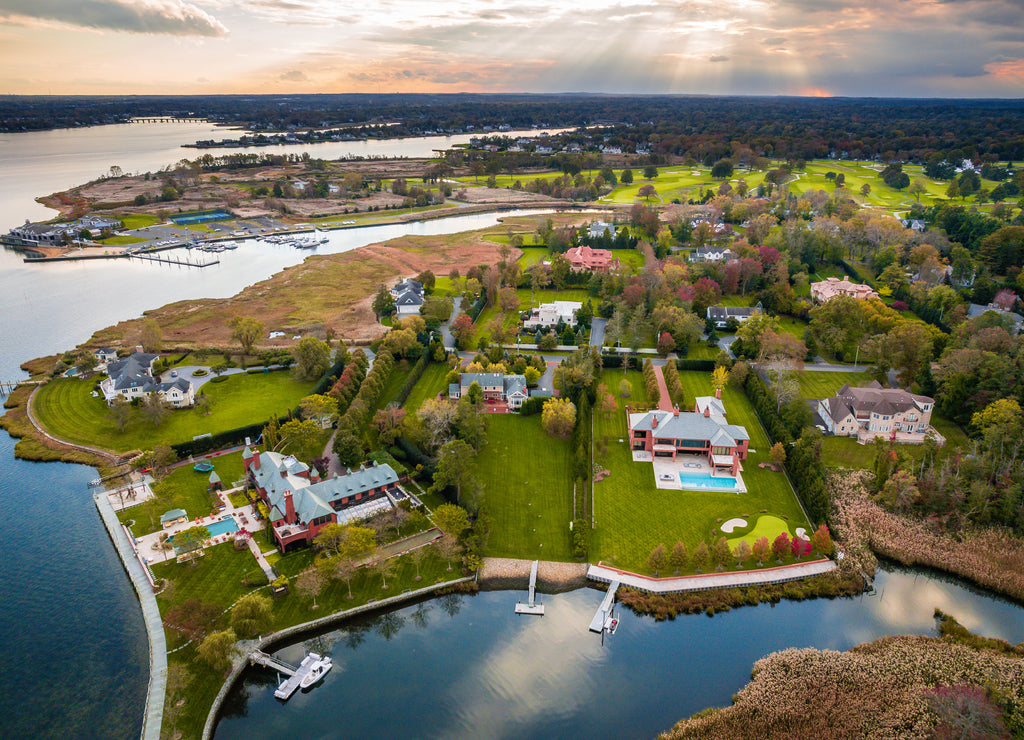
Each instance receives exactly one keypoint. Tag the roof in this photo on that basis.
(132, 372)
(484, 380)
(724, 313)
(515, 384)
(873, 399)
(214, 478)
(173, 514)
(689, 425)
(409, 298)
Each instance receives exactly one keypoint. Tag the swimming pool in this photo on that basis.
(703, 480)
(222, 526)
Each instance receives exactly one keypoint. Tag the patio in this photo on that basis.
(667, 474)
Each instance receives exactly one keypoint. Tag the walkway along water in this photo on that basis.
(153, 715)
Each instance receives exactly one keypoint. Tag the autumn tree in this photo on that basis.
(150, 335)
(761, 550)
(193, 618)
(320, 408)
(719, 377)
(451, 519)
(251, 615)
(310, 583)
(218, 649)
(781, 546)
(777, 455)
(821, 541)
(701, 555)
(388, 421)
(657, 559)
(679, 558)
(720, 553)
(742, 553)
(462, 330)
(312, 358)
(246, 330)
(558, 417)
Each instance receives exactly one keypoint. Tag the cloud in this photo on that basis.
(294, 75)
(170, 17)
(719, 58)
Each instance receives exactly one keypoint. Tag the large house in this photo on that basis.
(721, 314)
(57, 234)
(583, 258)
(598, 229)
(301, 504)
(829, 288)
(874, 411)
(712, 254)
(496, 387)
(552, 314)
(132, 378)
(703, 432)
(408, 296)
(976, 309)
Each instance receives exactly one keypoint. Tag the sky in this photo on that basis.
(887, 48)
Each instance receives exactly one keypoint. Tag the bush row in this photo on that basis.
(675, 387)
(651, 381)
(413, 377)
(355, 418)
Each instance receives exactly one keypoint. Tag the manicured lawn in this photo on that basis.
(137, 220)
(766, 526)
(549, 296)
(184, 489)
(633, 516)
(845, 452)
(118, 241)
(527, 487)
(66, 409)
(674, 182)
(533, 255)
(430, 384)
(820, 384)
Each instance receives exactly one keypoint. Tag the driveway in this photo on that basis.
(597, 327)
(446, 335)
(185, 371)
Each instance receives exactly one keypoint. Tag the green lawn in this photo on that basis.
(527, 487)
(137, 220)
(67, 410)
(430, 384)
(120, 241)
(765, 526)
(184, 489)
(845, 452)
(633, 516)
(533, 255)
(819, 384)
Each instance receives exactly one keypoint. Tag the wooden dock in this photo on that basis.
(532, 607)
(600, 621)
(295, 673)
(172, 261)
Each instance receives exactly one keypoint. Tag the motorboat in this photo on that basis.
(320, 668)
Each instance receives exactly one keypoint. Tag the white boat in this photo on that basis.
(319, 669)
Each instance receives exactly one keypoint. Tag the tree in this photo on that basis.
(679, 558)
(646, 191)
(777, 454)
(1000, 425)
(720, 553)
(907, 348)
(246, 330)
(448, 547)
(701, 556)
(218, 649)
(722, 169)
(347, 447)
(191, 540)
(666, 343)
(781, 546)
(865, 189)
(383, 302)
(251, 615)
(388, 421)
(742, 553)
(656, 560)
(312, 358)
(719, 377)
(451, 519)
(558, 417)
(150, 335)
(454, 468)
(159, 459)
(437, 417)
(627, 176)
(917, 189)
(462, 330)
(119, 412)
(319, 408)
(416, 555)
(625, 388)
(310, 583)
(192, 617)
(532, 376)
(383, 567)
(299, 435)
(650, 172)
(606, 402)
(760, 550)
(345, 568)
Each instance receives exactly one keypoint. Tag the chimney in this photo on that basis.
(284, 472)
(707, 412)
(289, 508)
(718, 393)
(255, 460)
(675, 411)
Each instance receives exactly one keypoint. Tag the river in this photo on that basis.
(70, 629)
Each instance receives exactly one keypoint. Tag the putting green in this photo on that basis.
(767, 526)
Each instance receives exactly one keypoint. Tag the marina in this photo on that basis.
(307, 673)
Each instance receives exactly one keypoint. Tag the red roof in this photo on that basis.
(585, 258)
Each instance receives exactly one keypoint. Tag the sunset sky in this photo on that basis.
(904, 48)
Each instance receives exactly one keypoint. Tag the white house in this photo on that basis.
(495, 386)
(873, 411)
(712, 254)
(408, 296)
(132, 378)
(551, 314)
(721, 314)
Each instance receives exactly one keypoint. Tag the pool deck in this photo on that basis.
(149, 544)
(667, 474)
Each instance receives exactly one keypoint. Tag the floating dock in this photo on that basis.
(600, 621)
(532, 607)
(295, 673)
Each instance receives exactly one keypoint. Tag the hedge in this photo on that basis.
(413, 377)
(226, 438)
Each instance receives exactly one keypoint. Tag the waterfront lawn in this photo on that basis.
(845, 452)
(821, 384)
(432, 382)
(527, 489)
(217, 579)
(66, 409)
(184, 488)
(633, 516)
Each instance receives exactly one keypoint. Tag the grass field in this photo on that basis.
(633, 516)
(67, 410)
(765, 526)
(184, 489)
(818, 384)
(120, 241)
(527, 489)
(845, 452)
(430, 384)
(137, 220)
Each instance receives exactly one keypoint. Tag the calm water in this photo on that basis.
(467, 667)
(70, 631)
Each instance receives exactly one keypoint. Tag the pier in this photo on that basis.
(600, 621)
(532, 607)
(295, 673)
(7, 388)
(187, 262)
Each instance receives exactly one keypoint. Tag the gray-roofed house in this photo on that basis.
(133, 379)
(105, 355)
(712, 254)
(721, 314)
(301, 504)
(874, 411)
(974, 310)
(495, 386)
(703, 432)
(408, 296)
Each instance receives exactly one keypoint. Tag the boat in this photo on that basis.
(203, 467)
(319, 669)
(613, 624)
